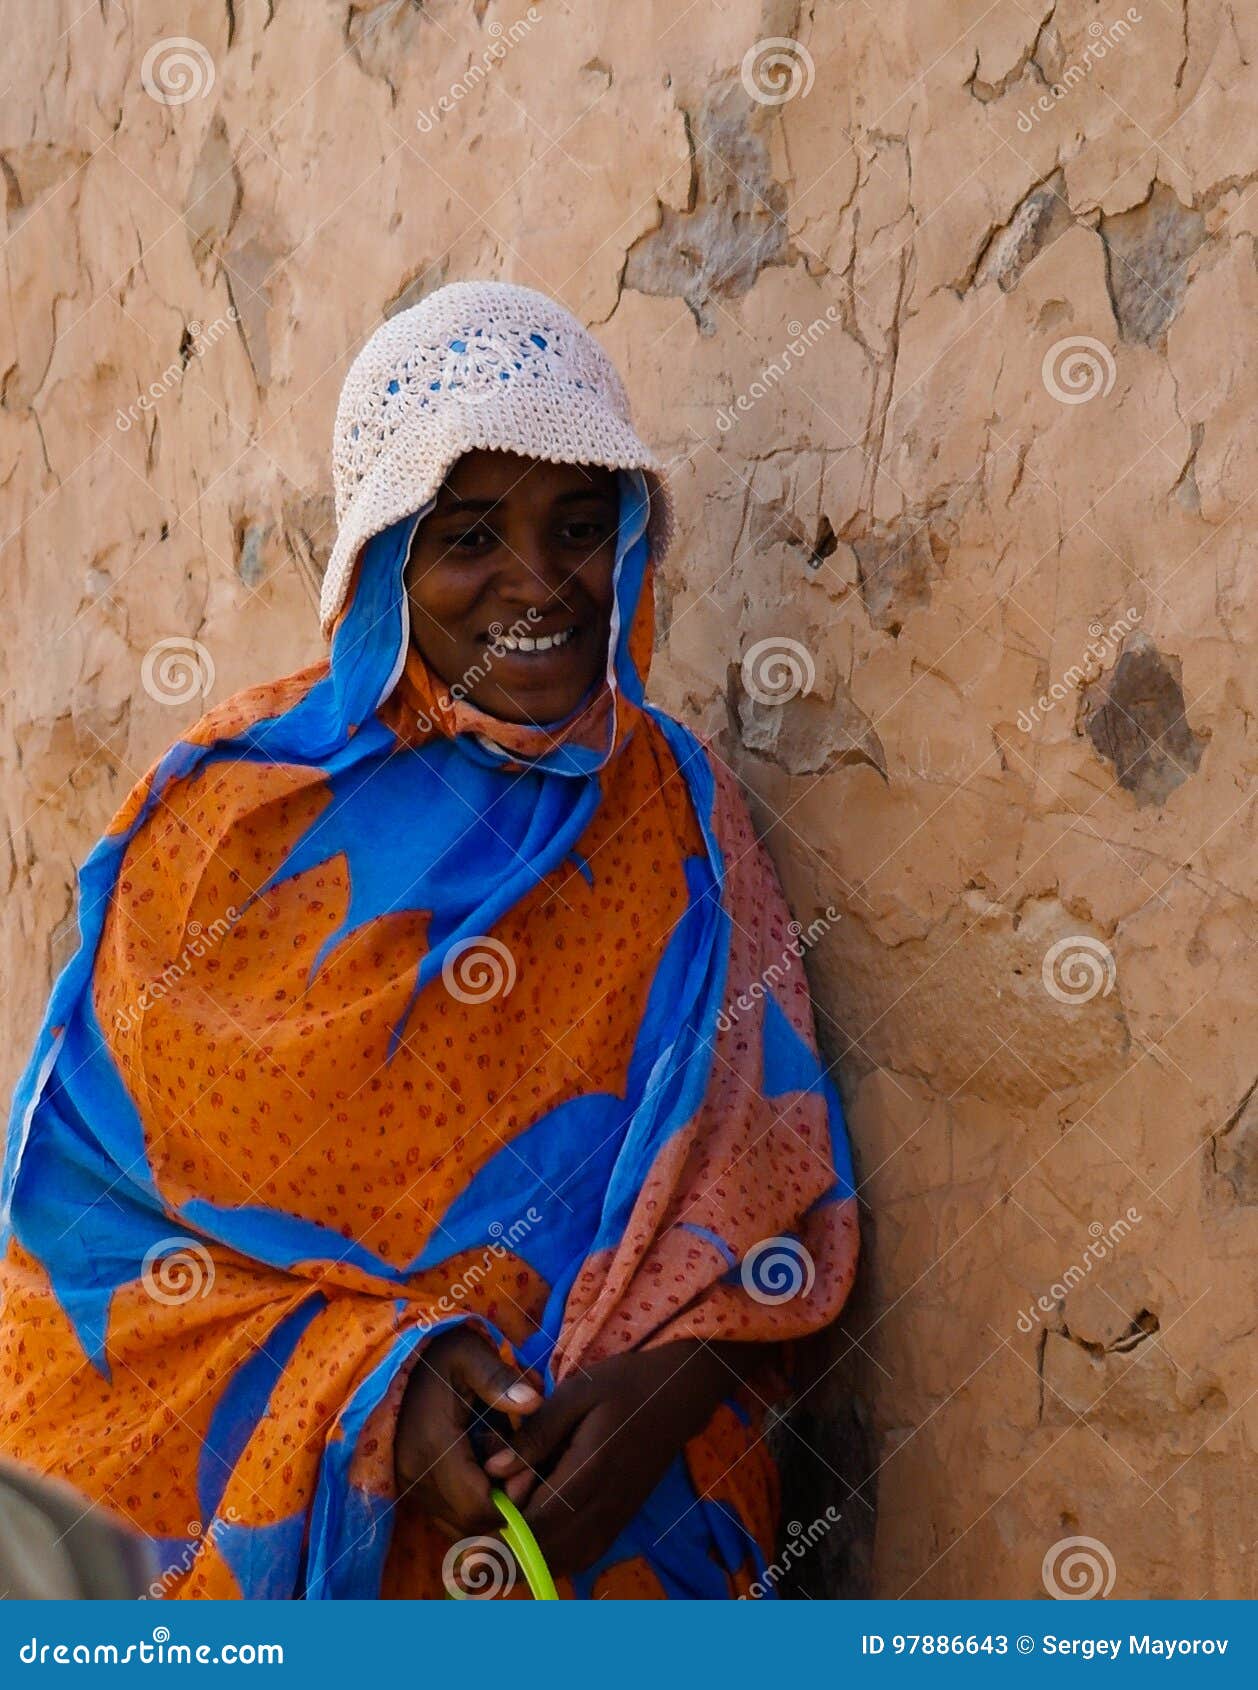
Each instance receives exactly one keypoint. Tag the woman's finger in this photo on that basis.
(535, 1443)
(519, 1487)
(479, 1370)
(460, 1483)
(570, 1508)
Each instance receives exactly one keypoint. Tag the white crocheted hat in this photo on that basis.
(476, 364)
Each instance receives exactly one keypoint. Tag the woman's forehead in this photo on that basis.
(497, 475)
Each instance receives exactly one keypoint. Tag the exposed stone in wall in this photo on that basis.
(733, 223)
(953, 366)
(1039, 219)
(1147, 253)
(1136, 719)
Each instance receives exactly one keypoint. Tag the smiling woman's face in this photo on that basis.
(510, 583)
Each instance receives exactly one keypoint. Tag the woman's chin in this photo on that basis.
(533, 708)
(533, 698)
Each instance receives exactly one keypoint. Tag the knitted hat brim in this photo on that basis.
(425, 448)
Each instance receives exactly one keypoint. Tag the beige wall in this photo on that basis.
(944, 496)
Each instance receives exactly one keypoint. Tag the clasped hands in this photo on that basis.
(579, 1463)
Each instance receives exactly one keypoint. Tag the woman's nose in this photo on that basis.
(532, 573)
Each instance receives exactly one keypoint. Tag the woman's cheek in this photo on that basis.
(446, 594)
(597, 576)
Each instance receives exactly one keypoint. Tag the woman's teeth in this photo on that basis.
(525, 642)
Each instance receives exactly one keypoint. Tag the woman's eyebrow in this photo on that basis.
(449, 505)
(604, 493)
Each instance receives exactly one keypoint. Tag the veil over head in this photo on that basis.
(388, 1017)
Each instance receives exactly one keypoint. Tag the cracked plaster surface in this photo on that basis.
(904, 498)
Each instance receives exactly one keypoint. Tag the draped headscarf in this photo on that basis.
(387, 1016)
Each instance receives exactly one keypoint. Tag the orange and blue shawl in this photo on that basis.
(384, 1017)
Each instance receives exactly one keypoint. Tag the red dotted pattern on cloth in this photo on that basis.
(746, 1168)
(254, 1087)
(260, 1087)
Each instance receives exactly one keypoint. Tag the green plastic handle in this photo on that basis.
(524, 1546)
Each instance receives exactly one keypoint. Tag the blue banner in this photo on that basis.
(643, 1646)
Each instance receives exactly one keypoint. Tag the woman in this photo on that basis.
(389, 1136)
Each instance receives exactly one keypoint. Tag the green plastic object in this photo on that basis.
(523, 1545)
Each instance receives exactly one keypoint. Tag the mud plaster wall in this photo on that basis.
(946, 326)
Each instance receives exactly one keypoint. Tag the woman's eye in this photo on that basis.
(586, 531)
(471, 542)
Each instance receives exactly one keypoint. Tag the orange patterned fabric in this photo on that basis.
(388, 1018)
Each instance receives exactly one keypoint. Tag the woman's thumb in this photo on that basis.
(488, 1377)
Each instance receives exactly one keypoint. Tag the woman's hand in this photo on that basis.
(594, 1451)
(432, 1452)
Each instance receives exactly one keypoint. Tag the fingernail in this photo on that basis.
(500, 1462)
(521, 1392)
